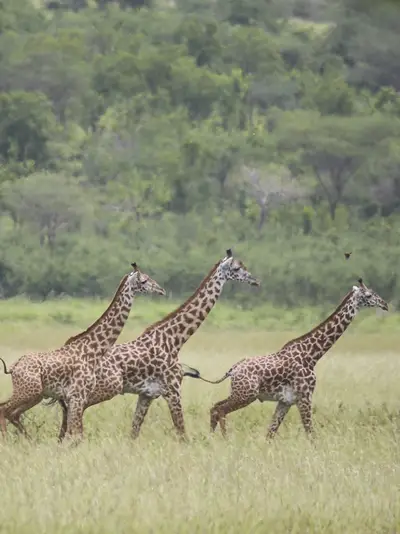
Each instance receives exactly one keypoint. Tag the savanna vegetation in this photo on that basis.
(165, 132)
(347, 481)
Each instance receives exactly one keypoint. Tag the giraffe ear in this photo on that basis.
(356, 288)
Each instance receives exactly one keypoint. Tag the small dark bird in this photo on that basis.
(347, 255)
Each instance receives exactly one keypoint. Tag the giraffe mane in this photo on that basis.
(192, 297)
(91, 327)
(303, 336)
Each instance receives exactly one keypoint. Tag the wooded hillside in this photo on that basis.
(165, 132)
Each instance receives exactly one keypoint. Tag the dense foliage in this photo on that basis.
(164, 132)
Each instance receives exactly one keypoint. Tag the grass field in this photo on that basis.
(348, 481)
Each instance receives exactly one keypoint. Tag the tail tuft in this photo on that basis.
(194, 373)
(190, 371)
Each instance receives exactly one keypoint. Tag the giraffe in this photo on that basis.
(287, 376)
(149, 365)
(69, 372)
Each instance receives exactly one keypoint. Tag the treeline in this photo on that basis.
(165, 132)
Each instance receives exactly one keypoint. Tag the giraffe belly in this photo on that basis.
(150, 387)
(284, 394)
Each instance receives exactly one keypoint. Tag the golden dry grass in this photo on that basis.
(348, 481)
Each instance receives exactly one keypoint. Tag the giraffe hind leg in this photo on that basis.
(15, 416)
(16, 421)
(17, 405)
(214, 415)
(222, 408)
(3, 421)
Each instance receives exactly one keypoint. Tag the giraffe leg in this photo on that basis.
(75, 410)
(304, 406)
(3, 422)
(222, 408)
(214, 415)
(14, 408)
(280, 412)
(173, 398)
(63, 428)
(16, 421)
(27, 392)
(142, 407)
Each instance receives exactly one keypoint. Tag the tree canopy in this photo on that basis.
(166, 132)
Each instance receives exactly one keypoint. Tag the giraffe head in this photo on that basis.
(232, 269)
(142, 283)
(367, 298)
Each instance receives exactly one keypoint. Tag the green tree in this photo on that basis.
(55, 64)
(333, 148)
(47, 203)
(201, 36)
(27, 124)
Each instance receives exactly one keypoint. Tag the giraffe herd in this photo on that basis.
(90, 368)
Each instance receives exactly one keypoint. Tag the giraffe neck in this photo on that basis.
(104, 332)
(318, 341)
(181, 324)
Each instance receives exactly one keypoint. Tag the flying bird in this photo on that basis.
(347, 255)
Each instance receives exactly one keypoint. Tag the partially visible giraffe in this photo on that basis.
(68, 373)
(288, 376)
(149, 365)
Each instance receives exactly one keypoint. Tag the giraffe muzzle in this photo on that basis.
(161, 291)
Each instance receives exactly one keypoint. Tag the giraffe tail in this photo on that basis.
(194, 373)
(6, 371)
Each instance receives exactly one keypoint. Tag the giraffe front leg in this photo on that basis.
(280, 412)
(75, 409)
(142, 407)
(63, 428)
(173, 398)
(304, 406)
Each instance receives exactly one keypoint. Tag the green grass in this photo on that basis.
(348, 481)
(20, 315)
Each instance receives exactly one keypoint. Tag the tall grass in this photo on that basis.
(348, 481)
